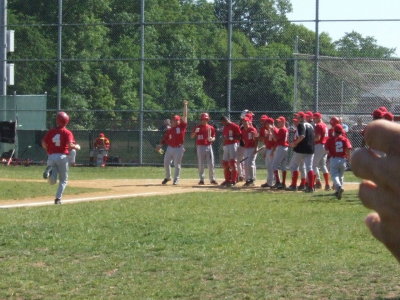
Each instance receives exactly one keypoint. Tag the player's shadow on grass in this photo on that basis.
(349, 198)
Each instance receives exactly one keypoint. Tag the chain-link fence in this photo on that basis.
(122, 67)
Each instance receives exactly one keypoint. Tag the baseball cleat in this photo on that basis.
(249, 183)
(240, 179)
(339, 193)
(47, 172)
(266, 185)
(291, 188)
(57, 201)
(175, 182)
(281, 186)
(165, 180)
(309, 190)
(213, 182)
(201, 182)
(327, 187)
(301, 187)
(224, 183)
(318, 185)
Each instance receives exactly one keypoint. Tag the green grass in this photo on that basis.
(237, 245)
(210, 245)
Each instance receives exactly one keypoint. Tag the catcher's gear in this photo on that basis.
(204, 117)
(334, 121)
(62, 119)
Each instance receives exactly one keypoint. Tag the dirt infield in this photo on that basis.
(128, 188)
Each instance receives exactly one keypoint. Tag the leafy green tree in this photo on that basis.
(260, 20)
(353, 44)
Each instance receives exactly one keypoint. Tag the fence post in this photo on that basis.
(3, 46)
(141, 81)
(229, 75)
(59, 54)
(316, 67)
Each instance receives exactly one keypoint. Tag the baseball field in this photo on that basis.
(148, 241)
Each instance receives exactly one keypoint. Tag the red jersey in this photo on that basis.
(282, 137)
(249, 137)
(231, 133)
(322, 130)
(337, 146)
(57, 140)
(203, 133)
(267, 138)
(175, 136)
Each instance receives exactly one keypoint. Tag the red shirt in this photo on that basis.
(57, 140)
(282, 137)
(249, 137)
(322, 130)
(175, 136)
(231, 133)
(202, 133)
(337, 146)
(267, 138)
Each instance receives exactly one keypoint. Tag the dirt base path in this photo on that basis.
(127, 188)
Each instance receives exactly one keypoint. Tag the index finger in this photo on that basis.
(383, 135)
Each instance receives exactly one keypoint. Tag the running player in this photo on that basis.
(57, 142)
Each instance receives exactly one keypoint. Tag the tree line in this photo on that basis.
(185, 54)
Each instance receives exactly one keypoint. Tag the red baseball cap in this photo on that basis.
(246, 119)
(309, 114)
(388, 116)
(176, 118)
(317, 115)
(264, 117)
(338, 128)
(301, 114)
(270, 121)
(377, 114)
(281, 119)
(383, 109)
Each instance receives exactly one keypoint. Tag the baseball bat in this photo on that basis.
(258, 150)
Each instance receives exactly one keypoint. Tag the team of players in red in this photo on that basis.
(240, 146)
(315, 146)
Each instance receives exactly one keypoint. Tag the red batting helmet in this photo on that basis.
(62, 119)
(334, 121)
(204, 117)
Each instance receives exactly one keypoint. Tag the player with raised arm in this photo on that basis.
(57, 142)
(174, 138)
(205, 136)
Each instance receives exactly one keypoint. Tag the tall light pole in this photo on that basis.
(3, 47)
(295, 91)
